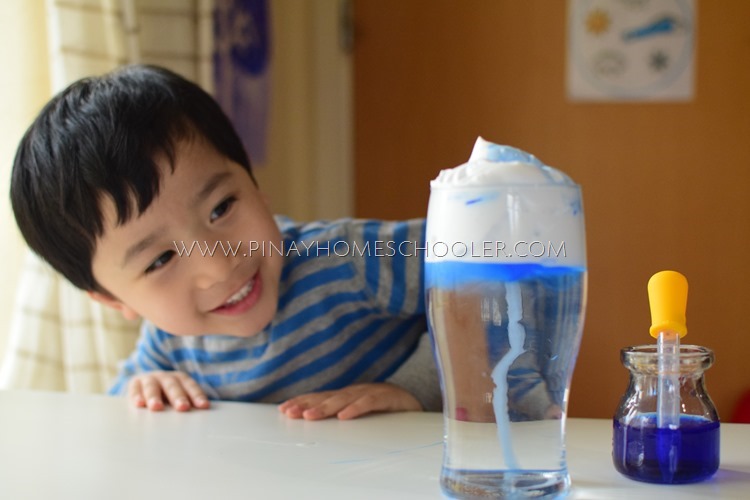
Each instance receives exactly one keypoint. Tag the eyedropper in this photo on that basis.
(667, 294)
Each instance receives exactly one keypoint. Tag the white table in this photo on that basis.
(60, 446)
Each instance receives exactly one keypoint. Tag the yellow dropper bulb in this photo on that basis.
(667, 296)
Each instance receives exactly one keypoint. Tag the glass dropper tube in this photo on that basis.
(668, 405)
(667, 293)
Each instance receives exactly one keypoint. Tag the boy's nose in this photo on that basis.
(209, 270)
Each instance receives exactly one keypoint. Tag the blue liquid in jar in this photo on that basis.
(689, 454)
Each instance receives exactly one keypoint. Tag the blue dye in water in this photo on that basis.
(646, 453)
(452, 274)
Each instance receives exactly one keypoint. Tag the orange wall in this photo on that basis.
(665, 185)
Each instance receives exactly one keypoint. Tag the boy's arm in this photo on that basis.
(395, 277)
(350, 402)
(399, 288)
(419, 376)
(414, 386)
(393, 270)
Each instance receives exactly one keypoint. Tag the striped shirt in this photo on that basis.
(351, 310)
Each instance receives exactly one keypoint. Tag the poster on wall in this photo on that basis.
(631, 50)
(241, 70)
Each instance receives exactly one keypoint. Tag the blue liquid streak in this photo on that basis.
(689, 454)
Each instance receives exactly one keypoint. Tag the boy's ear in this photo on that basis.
(108, 301)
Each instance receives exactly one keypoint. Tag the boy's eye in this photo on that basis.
(222, 208)
(160, 261)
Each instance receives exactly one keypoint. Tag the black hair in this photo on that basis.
(100, 137)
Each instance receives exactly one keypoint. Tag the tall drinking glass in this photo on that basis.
(505, 276)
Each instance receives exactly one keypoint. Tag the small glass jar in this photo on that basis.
(643, 451)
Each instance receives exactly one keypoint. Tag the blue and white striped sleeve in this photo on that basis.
(147, 357)
(394, 275)
(394, 264)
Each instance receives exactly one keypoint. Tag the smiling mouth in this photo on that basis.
(241, 294)
(243, 299)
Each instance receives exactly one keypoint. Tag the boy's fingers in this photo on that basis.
(296, 401)
(328, 407)
(292, 411)
(304, 402)
(316, 413)
(350, 402)
(370, 402)
(179, 389)
(312, 406)
(152, 393)
(362, 406)
(381, 397)
(380, 401)
(135, 393)
(165, 384)
(353, 411)
(195, 393)
(172, 387)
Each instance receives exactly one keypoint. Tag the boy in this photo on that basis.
(120, 175)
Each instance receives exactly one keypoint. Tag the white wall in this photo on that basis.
(308, 174)
(24, 88)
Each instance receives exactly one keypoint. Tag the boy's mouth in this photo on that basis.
(241, 294)
(243, 299)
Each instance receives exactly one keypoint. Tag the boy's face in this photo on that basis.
(208, 198)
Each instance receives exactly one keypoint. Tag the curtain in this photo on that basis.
(94, 36)
(59, 339)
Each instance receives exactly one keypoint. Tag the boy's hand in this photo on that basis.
(151, 390)
(350, 402)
